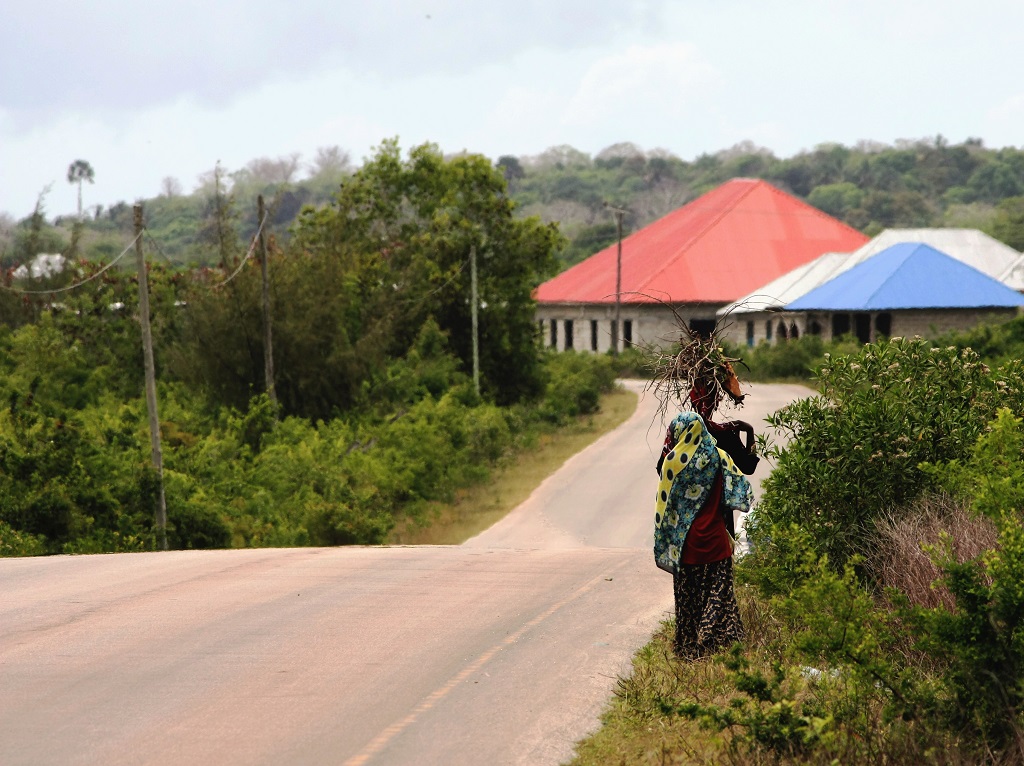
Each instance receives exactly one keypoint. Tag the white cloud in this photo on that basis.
(518, 122)
(662, 79)
(148, 90)
(117, 53)
(1010, 110)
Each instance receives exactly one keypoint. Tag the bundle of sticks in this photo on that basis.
(697, 360)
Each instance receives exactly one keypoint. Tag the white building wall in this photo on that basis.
(749, 329)
(902, 323)
(934, 322)
(656, 325)
(642, 324)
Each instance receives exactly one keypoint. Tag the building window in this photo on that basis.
(568, 334)
(627, 332)
(814, 328)
(794, 331)
(782, 330)
(768, 331)
(840, 325)
(883, 325)
(703, 327)
(593, 335)
(750, 334)
(554, 334)
(863, 325)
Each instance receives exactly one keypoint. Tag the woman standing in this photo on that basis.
(700, 487)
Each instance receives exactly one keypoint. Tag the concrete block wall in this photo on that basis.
(754, 328)
(654, 324)
(933, 322)
(902, 323)
(591, 324)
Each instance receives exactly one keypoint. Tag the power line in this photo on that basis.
(159, 249)
(252, 249)
(75, 286)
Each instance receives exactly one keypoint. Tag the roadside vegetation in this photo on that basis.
(476, 507)
(882, 596)
(375, 419)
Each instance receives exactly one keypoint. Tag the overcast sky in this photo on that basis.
(144, 90)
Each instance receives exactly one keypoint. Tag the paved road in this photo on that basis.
(500, 651)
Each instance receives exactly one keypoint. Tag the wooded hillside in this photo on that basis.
(870, 186)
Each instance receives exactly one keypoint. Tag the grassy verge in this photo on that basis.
(478, 507)
(638, 727)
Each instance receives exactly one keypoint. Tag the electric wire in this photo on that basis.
(252, 249)
(75, 286)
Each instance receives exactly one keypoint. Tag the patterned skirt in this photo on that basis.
(707, 617)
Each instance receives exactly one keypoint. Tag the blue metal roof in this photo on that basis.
(908, 275)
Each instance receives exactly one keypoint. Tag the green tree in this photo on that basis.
(511, 168)
(79, 171)
(408, 226)
(836, 199)
(359, 280)
(1008, 222)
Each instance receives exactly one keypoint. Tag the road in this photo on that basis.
(503, 650)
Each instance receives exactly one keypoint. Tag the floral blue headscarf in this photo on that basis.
(687, 478)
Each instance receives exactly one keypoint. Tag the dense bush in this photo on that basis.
(931, 667)
(15, 543)
(996, 343)
(574, 383)
(842, 675)
(75, 473)
(373, 415)
(794, 359)
(856, 448)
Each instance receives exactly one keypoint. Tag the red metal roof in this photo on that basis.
(715, 249)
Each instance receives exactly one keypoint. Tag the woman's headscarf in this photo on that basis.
(687, 477)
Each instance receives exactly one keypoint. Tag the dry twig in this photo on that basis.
(687, 360)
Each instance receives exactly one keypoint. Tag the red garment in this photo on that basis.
(708, 541)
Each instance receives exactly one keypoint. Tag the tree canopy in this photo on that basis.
(870, 186)
(79, 171)
(360, 279)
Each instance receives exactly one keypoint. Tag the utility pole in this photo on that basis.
(619, 212)
(268, 345)
(476, 333)
(147, 355)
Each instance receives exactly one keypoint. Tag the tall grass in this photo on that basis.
(897, 553)
(644, 723)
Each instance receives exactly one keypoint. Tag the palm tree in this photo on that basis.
(79, 171)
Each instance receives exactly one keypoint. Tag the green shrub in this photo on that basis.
(15, 543)
(991, 476)
(832, 685)
(794, 359)
(797, 358)
(981, 641)
(196, 525)
(856, 449)
(996, 342)
(945, 672)
(338, 524)
(632, 362)
(574, 383)
(76, 475)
